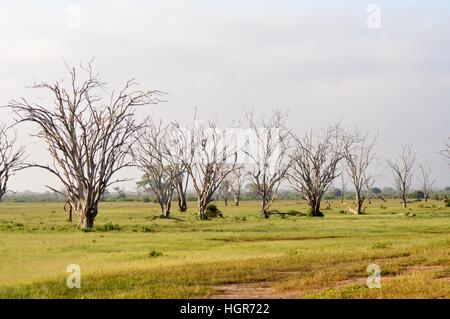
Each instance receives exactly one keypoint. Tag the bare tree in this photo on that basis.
(11, 158)
(225, 188)
(153, 156)
(237, 180)
(369, 183)
(403, 171)
(426, 182)
(181, 185)
(359, 151)
(270, 162)
(315, 165)
(205, 154)
(88, 138)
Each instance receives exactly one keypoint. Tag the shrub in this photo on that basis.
(447, 203)
(310, 213)
(382, 245)
(155, 253)
(211, 212)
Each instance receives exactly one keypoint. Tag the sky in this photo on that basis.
(320, 60)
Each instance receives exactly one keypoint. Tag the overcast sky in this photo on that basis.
(320, 61)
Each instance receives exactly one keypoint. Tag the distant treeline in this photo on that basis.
(124, 196)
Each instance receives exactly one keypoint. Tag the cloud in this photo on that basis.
(320, 62)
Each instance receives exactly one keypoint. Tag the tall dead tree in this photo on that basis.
(11, 158)
(267, 153)
(426, 182)
(315, 165)
(153, 156)
(359, 152)
(205, 154)
(403, 170)
(88, 138)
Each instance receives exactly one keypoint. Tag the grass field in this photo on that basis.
(134, 254)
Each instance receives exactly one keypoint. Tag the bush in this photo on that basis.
(382, 245)
(417, 195)
(310, 213)
(155, 253)
(447, 203)
(211, 212)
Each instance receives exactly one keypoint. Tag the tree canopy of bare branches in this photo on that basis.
(88, 138)
(426, 182)
(269, 162)
(11, 158)
(403, 170)
(204, 153)
(359, 152)
(154, 157)
(315, 165)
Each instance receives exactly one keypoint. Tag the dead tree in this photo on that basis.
(268, 157)
(206, 156)
(11, 158)
(153, 156)
(403, 170)
(359, 152)
(426, 182)
(237, 179)
(181, 185)
(315, 165)
(88, 138)
(224, 190)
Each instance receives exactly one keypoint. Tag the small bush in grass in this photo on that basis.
(155, 253)
(382, 206)
(103, 228)
(447, 203)
(382, 245)
(310, 213)
(212, 211)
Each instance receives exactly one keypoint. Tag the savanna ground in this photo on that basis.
(134, 254)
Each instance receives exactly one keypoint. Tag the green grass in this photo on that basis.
(132, 253)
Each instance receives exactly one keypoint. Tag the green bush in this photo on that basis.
(382, 245)
(155, 253)
(211, 212)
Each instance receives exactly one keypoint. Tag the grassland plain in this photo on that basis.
(134, 254)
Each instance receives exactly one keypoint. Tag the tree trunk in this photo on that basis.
(202, 203)
(404, 201)
(314, 204)
(225, 201)
(165, 209)
(359, 203)
(87, 215)
(236, 200)
(265, 208)
(181, 198)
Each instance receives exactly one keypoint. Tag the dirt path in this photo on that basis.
(257, 290)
